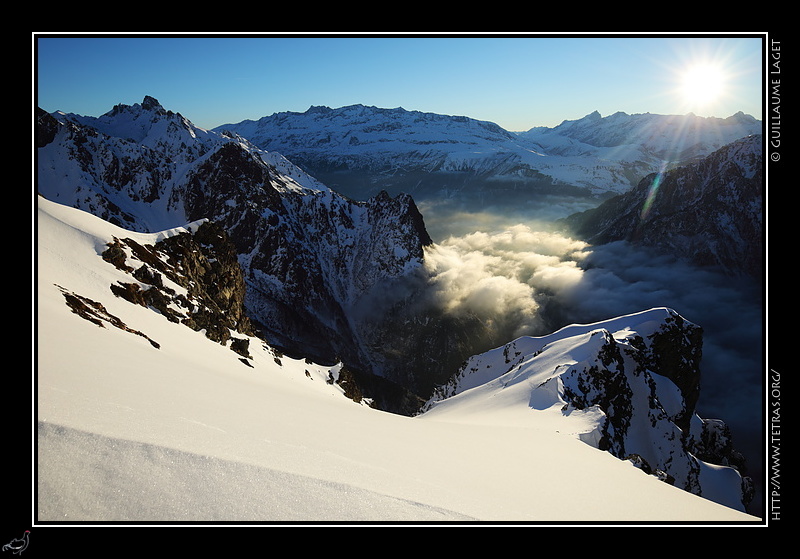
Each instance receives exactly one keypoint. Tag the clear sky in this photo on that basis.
(517, 82)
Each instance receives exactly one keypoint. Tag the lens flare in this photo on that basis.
(651, 194)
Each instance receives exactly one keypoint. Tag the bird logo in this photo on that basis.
(18, 545)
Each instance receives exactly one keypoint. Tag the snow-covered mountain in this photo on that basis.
(359, 150)
(326, 289)
(185, 429)
(309, 255)
(709, 212)
(670, 138)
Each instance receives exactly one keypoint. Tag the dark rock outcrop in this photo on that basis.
(204, 264)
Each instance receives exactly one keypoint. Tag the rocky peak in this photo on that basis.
(152, 104)
(148, 104)
(318, 109)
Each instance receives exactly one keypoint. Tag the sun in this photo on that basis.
(702, 84)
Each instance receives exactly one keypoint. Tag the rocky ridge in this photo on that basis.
(202, 265)
(709, 212)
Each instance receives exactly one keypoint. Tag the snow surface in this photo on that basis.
(127, 432)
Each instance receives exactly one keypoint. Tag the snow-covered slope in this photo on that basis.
(627, 385)
(130, 432)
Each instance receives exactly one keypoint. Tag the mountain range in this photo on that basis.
(359, 150)
(215, 231)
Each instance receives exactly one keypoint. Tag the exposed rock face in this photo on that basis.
(310, 257)
(709, 212)
(641, 372)
(194, 279)
(46, 128)
(96, 313)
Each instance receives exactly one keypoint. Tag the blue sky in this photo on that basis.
(518, 82)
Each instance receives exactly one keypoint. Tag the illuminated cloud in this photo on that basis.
(503, 276)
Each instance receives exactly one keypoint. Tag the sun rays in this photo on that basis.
(707, 79)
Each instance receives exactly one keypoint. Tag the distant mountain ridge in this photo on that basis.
(672, 137)
(360, 149)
